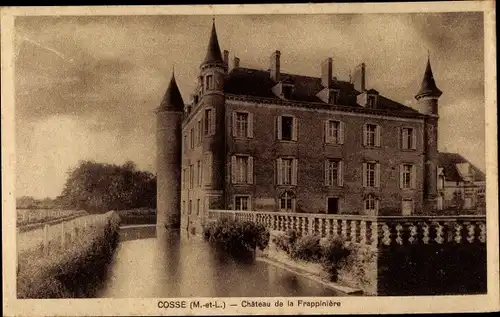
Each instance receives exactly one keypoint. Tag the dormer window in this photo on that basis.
(287, 91)
(333, 97)
(371, 102)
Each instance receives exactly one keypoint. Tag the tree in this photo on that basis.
(98, 187)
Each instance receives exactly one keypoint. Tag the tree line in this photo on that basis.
(99, 187)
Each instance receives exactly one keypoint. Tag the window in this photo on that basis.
(184, 178)
(183, 206)
(242, 169)
(209, 82)
(334, 132)
(408, 139)
(287, 202)
(208, 168)
(242, 125)
(287, 128)
(185, 145)
(371, 135)
(191, 135)
(200, 131)
(190, 207)
(241, 203)
(199, 172)
(198, 207)
(333, 97)
(287, 91)
(333, 173)
(371, 102)
(209, 122)
(371, 174)
(287, 171)
(191, 176)
(407, 176)
(371, 205)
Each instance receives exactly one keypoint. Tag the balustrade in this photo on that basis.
(370, 230)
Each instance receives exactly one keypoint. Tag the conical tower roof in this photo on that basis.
(172, 100)
(214, 55)
(428, 87)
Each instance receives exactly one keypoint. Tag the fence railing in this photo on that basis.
(31, 216)
(60, 235)
(370, 230)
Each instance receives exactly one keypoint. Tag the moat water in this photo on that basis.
(156, 263)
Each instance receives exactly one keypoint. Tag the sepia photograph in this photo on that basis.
(243, 160)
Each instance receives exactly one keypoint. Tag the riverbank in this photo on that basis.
(74, 271)
(312, 271)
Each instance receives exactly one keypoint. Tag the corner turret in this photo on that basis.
(168, 157)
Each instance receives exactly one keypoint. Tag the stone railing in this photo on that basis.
(370, 230)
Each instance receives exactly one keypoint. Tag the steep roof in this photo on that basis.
(213, 50)
(449, 161)
(258, 83)
(172, 100)
(428, 86)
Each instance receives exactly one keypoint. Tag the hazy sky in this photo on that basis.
(87, 87)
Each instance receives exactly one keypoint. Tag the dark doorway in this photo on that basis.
(333, 205)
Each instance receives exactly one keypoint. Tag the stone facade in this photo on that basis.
(263, 140)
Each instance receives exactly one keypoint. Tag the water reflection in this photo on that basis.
(158, 263)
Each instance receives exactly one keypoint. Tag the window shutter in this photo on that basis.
(327, 173)
(364, 175)
(250, 170)
(377, 175)
(400, 138)
(294, 171)
(341, 133)
(278, 172)
(401, 170)
(377, 137)
(414, 139)
(327, 136)
(250, 125)
(413, 177)
(234, 123)
(278, 127)
(295, 129)
(212, 122)
(233, 169)
(340, 174)
(365, 139)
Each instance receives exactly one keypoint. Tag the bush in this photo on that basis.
(237, 236)
(286, 241)
(307, 248)
(334, 255)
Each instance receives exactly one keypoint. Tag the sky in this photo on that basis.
(87, 87)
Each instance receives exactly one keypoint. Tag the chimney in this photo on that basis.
(226, 58)
(275, 66)
(363, 77)
(236, 62)
(326, 72)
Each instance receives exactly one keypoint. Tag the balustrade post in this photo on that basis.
(362, 232)
(310, 220)
(354, 224)
(344, 229)
(374, 235)
(335, 228)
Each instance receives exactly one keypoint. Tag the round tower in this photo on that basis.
(168, 157)
(212, 74)
(427, 103)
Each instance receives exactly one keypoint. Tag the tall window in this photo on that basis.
(371, 205)
(333, 97)
(286, 202)
(185, 145)
(242, 169)
(370, 134)
(407, 176)
(371, 102)
(287, 128)
(209, 82)
(184, 178)
(183, 206)
(334, 132)
(287, 171)
(240, 124)
(198, 207)
(191, 135)
(408, 139)
(287, 91)
(191, 176)
(333, 173)
(241, 203)
(200, 131)
(209, 122)
(190, 208)
(198, 164)
(371, 174)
